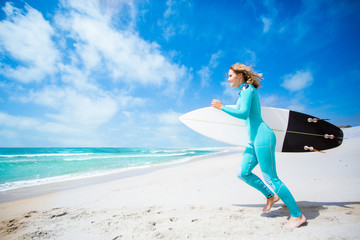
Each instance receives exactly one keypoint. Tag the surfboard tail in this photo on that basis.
(303, 135)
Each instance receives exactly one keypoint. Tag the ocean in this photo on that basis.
(25, 167)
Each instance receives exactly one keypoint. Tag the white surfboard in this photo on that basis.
(218, 125)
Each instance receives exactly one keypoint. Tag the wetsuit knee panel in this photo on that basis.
(273, 182)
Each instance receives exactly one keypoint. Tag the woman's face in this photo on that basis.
(235, 79)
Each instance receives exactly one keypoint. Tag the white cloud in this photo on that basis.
(91, 111)
(295, 102)
(214, 59)
(247, 56)
(271, 101)
(267, 23)
(173, 22)
(297, 81)
(75, 108)
(298, 102)
(27, 38)
(91, 83)
(252, 56)
(30, 131)
(19, 122)
(169, 11)
(169, 118)
(269, 9)
(77, 78)
(297, 106)
(169, 130)
(230, 94)
(146, 128)
(8, 134)
(168, 30)
(205, 72)
(126, 56)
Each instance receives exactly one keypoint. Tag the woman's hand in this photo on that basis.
(216, 104)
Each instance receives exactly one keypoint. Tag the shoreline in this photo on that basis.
(48, 188)
(201, 199)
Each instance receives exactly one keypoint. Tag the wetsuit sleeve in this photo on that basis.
(245, 105)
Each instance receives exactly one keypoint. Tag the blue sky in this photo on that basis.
(120, 73)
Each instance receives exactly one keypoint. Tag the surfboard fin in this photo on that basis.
(331, 136)
(314, 120)
(312, 149)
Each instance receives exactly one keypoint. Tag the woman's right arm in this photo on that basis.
(245, 105)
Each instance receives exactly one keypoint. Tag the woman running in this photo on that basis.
(262, 141)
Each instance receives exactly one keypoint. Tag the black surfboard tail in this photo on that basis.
(306, 133)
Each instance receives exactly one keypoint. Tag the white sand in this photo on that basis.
(200, 200)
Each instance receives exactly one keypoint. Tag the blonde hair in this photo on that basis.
(250, 76)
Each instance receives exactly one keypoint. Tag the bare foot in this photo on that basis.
(270, 202)
(295, 222)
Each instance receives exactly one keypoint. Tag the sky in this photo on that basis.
(119, 73)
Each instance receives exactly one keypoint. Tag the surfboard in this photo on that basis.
(294, 131)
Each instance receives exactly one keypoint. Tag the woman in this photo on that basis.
(261, 148)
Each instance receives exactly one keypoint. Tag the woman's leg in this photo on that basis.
(248, 162)
(266, 158)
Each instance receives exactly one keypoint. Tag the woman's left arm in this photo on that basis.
(245, 105)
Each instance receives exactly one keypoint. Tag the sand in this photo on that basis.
(202, 199)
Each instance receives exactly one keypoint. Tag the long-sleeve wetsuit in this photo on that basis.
(261, 148)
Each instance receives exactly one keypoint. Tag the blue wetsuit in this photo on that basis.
(261, 148)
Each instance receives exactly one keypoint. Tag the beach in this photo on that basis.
(200, 199)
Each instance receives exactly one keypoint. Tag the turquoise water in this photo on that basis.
(23, 167)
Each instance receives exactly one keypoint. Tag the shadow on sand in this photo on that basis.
(311, 210)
